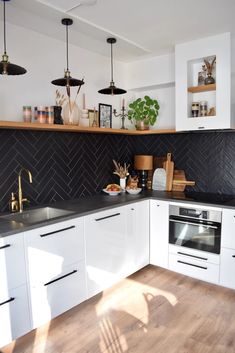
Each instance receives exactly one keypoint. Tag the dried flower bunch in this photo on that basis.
(210, 64)
(121, 171)
(59, 98)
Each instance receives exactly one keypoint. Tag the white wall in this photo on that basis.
(44, 59)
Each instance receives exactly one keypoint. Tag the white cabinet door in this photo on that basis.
(12, 263)
(14, 315)
(228, 229)
(137, 238)
(50, 249)
(189, 58)
(105, 249)
(52, 298)
(227, 268)
(159, 233)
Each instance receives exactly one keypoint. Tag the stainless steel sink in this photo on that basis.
(36, 215)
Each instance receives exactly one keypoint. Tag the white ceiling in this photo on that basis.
(142, 27)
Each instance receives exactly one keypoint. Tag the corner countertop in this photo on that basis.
(102, 202)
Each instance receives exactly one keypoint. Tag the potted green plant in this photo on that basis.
(143, 112)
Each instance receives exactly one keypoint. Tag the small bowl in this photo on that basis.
(111, 193)
(134, 191)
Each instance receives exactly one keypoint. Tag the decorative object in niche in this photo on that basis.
(202, 76)
(212, 112)
(143, 112)
(210, 62)
(105, 115)
(112, 89)
(7, 68)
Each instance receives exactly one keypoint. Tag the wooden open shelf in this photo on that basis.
(204, 88)
(18, 125)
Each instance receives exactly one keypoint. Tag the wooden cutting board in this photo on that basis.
(180, 182)
(168, 165)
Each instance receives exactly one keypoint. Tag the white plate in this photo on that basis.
(134, 191)
(111, 193)
(159, 179)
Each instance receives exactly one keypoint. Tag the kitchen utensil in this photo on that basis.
(159, 179)
(168, 165)
(179, 181)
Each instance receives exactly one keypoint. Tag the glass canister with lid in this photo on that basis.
(195, 109)
(27, 114)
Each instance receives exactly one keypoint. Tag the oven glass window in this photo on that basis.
(198, 236)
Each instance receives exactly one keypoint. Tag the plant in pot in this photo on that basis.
(143, 112)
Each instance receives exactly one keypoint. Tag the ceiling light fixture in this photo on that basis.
(112, 89)
(6, 68)
(67, 80)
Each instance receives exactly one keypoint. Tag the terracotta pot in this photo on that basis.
(141, 125)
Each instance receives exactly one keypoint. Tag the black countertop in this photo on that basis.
(101, 202)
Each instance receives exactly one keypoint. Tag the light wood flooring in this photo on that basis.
(153, 311)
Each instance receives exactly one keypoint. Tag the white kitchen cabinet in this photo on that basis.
(137, 238)
(50, 249)
(14, 310)
(55, 258)
(14, 315)
(189, 58)
(194, 263)
(227, 268)
(228, 229)
(159, 233)
(105, 234)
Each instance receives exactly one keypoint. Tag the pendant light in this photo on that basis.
(67, 80)
(112, 89)
(6, 68)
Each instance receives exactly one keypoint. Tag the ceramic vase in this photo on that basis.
(123, 184)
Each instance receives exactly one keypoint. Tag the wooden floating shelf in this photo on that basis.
(18, 125)
(204, 88)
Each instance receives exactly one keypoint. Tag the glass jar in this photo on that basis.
(42, 117)
(27, 114)
(195, 109)
(50, 115)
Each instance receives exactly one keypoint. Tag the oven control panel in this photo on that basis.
(189, 212)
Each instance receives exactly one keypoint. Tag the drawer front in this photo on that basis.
(227, 268)
(52, 298)
(14, 315)
(198, 269)
(228, 229)
(193, 254)
(51, 249)
(12, 263)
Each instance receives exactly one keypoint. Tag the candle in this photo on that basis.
(123, 103)
(84, 101)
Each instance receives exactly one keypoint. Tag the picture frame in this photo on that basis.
(93, 122)
(105, 115)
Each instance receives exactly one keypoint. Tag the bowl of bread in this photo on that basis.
(133, 190)
(112, 189)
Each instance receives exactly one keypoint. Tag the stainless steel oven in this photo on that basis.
(195, 228)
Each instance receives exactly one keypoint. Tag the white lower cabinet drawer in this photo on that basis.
(195, 254)
(227, 268)
(14, 315)
(194, 268)
(52, 298)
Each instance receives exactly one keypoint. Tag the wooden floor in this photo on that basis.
(153, 311)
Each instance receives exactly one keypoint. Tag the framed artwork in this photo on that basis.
(93, 120)
(105, 115)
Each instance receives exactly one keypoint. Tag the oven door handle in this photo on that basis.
(193, 224)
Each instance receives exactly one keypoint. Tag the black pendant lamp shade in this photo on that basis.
(112, 89)
(67, 80)
(6, 68)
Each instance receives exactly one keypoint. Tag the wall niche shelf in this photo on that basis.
(18, 125)
(203, 88)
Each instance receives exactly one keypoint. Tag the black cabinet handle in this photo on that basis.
(56, 231)
(112, 215)
(196, 257)
(201, 127)
(233, 255)
(59, 278)
(7, 301)
(5, 246)
(186, 263)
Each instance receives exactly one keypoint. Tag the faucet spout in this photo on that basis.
(20, 192)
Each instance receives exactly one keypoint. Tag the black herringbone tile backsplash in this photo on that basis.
(71, 165)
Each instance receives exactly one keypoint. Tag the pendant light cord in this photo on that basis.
(4, 21)
(67, 46)
(111, 62)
